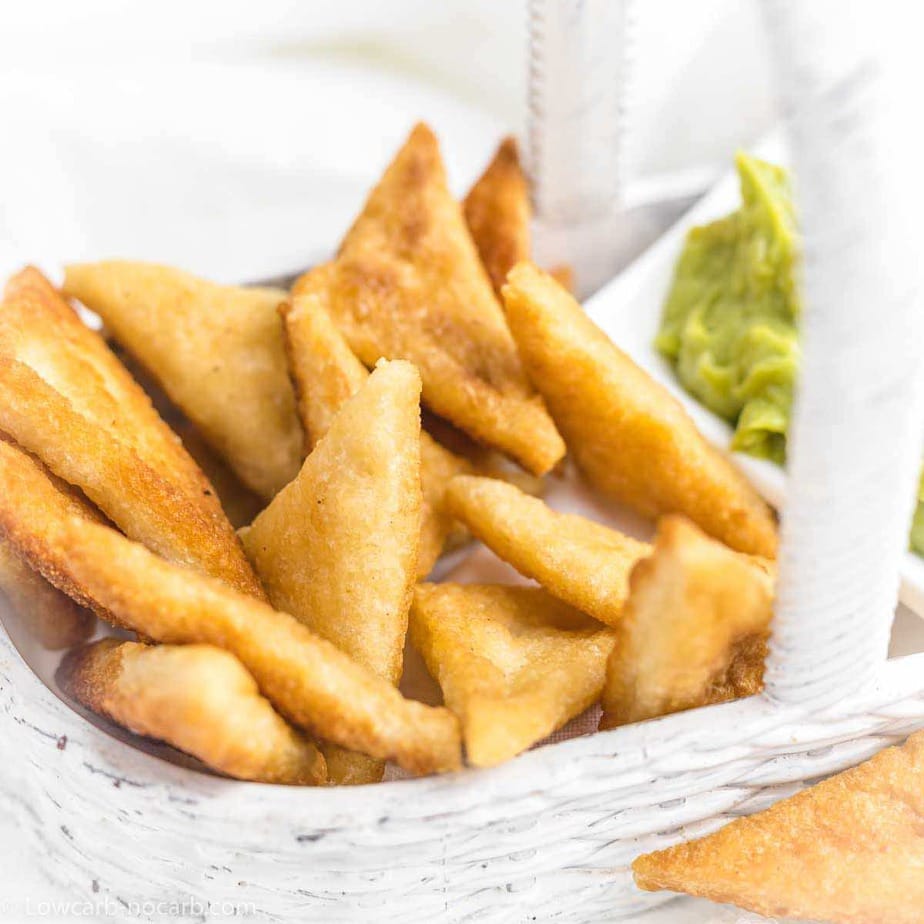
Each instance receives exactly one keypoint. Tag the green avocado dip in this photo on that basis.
(729, 326)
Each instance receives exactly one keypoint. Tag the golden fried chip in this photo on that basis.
(514, 663)
(326, 374)
(408, 284)
(309, 680)
(497, 212)
(31, 497)
(632, 440)
(850, 849)
(239, 503)
(337, 548)
(323, 368)
(198, 698)
(694, 628)
(216, 350)
(66, 398)
(53, 618)
(581, 562)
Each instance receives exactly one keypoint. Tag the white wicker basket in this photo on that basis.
(548, 836)
(551, 834)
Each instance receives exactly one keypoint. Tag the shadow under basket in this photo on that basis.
(549, 835)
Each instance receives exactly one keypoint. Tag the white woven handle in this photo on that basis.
(578, 57)
(855, 441)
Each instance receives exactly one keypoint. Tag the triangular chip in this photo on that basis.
(66, 398)
(217, 352)
(408, 284)
(632, 440)
(198, 698)
(326, 374)
(52, 617)
(337, 548)
(514, 663)
(694, 629)
(850, 849)
(497, 212)
(311, 682)
(579, 561)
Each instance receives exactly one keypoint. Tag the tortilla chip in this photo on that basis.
(323, 368)
(850, 849)
(309, 681)
(326, 374)
(581, 562)
(337, 548)
(497, 212)
(239, 503)
(32, 499)
(66, 398)
(408, 284)
(632, 440)
(198, 698)
(694, 629)
(216, 350)
(53, 618)
(514, 663)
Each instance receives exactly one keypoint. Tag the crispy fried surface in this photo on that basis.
(198, 698)
(32, 501)
(337, 548)
(497, 212)
(53, 618)
(693, 631)
(514, 663)
(326, 374)
(850, 849)
(66, 398)
(323, 368)
(309, 680)
(408, 284)
(216, 350)
(582, 562)
(239, 502)
(632, 440)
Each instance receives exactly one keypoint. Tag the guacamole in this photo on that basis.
(730, 320)
(729, 323)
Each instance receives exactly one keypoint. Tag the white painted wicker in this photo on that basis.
(551, 834)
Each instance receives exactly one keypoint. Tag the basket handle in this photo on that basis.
(855, 447)
(578, 59)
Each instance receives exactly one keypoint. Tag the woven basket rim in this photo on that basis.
(671, 745)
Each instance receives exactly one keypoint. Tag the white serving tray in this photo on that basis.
(629, 310)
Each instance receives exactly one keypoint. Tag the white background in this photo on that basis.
(237, 138)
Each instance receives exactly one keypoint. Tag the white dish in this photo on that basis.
(629, 310)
